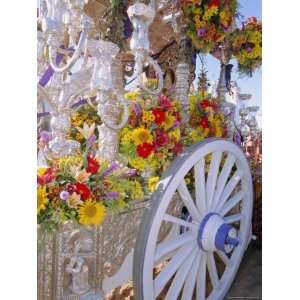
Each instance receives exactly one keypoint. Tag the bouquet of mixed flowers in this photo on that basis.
(246, 46)
(206, 119)
(83, 188)
(152, 137)
(208, 21)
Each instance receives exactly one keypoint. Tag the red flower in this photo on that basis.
(204, 123)
(165, 103)
(93, 165)
(144, 150)
(83, 190)
(161, 138)
(177, 148)
(214, 3)
(159, 116)
(47, 177)
(208, 103)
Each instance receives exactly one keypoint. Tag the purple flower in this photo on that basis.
(112, 195)
(176, 124)
(64, 195)
(137, 109)
(249, 49)
(45, 136)
(112, 168)
(131, 173)
(92, 139)
(201, 32)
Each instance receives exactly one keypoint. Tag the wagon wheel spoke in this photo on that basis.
(171, 245)
(212, 177)
(233, 218)
(200, 192)
(223, 177)
(212, 270)
(201, 278)
(230, 186)
(188, 201)
(181, 276)
(190, 282)
(231, 203)
(224, 258)
(175, 220)
(166, 274)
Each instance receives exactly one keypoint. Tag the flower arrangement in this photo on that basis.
(208, 21)
(151, 139)
(84, 115)
(246, 46)
(206, 119)
(84, 188)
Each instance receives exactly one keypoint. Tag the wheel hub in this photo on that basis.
(214, 234)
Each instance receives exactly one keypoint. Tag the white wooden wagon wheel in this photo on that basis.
(201, 260)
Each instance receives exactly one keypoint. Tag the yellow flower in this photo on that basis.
(175, 134)
(74, 200)
(219, 131)
(68, 163)
(169, 121)
(137, 163)
(91, 213)
(196, 136)
(152, 183)
(126, 139)
(141, 135)
(131, 95)
(136, 190)
(147, 117)
(42, 199)
(41, 171)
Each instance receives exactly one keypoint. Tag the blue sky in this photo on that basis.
(250, 85)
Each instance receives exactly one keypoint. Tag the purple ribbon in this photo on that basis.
(49, 72)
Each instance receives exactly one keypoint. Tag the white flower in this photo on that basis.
(87, 131)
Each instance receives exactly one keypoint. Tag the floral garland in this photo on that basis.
(208, 21)
(83, 188)
(246, 46)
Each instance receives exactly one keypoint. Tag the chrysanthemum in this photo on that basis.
(137, 163)
(42, 199)
(91, 213)
(141, 136)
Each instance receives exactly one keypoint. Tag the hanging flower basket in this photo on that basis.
(208, 22)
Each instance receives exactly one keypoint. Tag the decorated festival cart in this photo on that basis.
(140, 176)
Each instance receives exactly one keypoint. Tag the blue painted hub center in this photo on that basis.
(215, 234)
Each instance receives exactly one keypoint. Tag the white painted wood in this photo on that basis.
(200, 190)
(165, 275)
(232, 202)
(201, 278)
(233, 218)
(181, 276)
(178, 221)
(190, 282)
(168, 246)
(230, 186)
(188, 201)
(224, 258)
(212, 177)
(212, 270)
(223, 177)
(123, 275)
